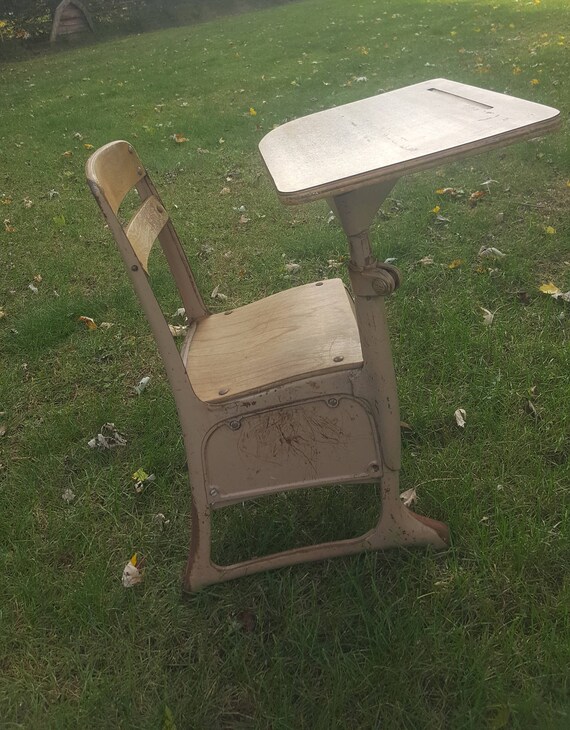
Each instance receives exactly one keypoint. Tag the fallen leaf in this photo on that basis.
(2, 314)
(179, 138)
(89, 146)
(105, 325)
(549, 288)
(426, 261)
(108, 438)
(488, 316)
(475, 197)
(161, 520)
(531, 409)
(33, 288)
(142, 385)
(490, 252)
(8, 227)
(252, 112)
(216, 293)
(177, 330)
(456, 263)
(88, 322)
(534, 82)
(225, 191)
(3, 430)
(131, 573)
(409, 497)
(334, 264)
(460, 417)
(142, 480)
(292, 268)
(244, 219)
(67, 153)
(68, 496)
(451, 192)
(436, 209)
(550, 230)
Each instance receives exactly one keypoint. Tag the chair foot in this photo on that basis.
(440, 527)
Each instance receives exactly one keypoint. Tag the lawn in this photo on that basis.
(476, 637)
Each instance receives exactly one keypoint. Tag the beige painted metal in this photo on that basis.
(265, 403)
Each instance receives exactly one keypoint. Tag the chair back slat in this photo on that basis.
(144, 227)
(116, 169)
(112, 171)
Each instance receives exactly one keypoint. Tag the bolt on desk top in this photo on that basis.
(393, 134)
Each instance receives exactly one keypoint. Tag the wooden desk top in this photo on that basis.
(390, 135)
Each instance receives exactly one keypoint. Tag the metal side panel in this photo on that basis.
(324, 441)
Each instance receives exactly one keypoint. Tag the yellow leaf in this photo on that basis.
(517, 70)
(534, 82)
(549, 288)
(550, 230)
(179, 138)
(88, 322)
(140, 475)
(252, 112)
(133, 560)
(436, 209)
(89, 146)
(67, 153)
(455, 264)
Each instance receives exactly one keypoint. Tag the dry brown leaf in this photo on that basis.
(409, 497)
(488, 316)
(177, 330)
(88, 322)
(460, 417)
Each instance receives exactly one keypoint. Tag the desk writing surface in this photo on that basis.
(389, 135)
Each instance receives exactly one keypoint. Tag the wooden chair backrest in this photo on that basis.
(112, 172)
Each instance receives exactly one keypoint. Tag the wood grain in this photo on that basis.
(293, 334)
(144, 227)
(392, 134)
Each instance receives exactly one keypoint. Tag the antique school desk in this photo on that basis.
(352, 156)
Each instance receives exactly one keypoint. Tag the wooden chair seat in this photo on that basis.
(296, 333)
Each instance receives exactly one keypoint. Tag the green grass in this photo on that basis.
(477, 637)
